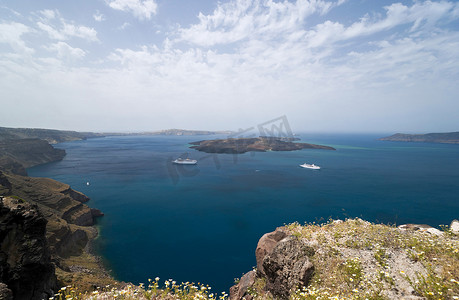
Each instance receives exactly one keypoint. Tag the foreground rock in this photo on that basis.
(260, 144)
(287, 266)
(353, 259)
(25, 260)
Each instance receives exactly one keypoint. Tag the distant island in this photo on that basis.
(259, 144)
(52, 136)
(446, 138)
(172, 132)
(58, 136)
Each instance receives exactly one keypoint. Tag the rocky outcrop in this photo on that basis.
(53, 197)
(260, 144)
(78, 196)
(288, 266)
(25, 260)
(96, 212)
(239, 291)
(62, 207)
(353, 259)
(266, 245)
(283, 261)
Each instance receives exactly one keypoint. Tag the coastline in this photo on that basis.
(70, 228)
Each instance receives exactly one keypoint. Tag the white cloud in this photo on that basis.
(249, 60)
(98, 16)
(141, 9)
(124, 26)
(64, 50)
(60, 29)
(11, 34)
(262, 19)
(83, 32)
(48, 13)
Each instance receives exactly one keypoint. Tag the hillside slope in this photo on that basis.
(446, 138)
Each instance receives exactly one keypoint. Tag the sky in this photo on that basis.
(142, 65)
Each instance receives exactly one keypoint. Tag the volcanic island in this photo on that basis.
(259, 144)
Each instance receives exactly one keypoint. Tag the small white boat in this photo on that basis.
(310, 166)
(186, 161)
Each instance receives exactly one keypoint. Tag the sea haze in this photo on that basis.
(202, 223)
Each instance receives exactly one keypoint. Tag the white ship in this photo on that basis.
(186, 161)
(310, 166)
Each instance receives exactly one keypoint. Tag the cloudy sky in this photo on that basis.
(137, 65)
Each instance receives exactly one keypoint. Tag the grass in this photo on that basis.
(170, 290)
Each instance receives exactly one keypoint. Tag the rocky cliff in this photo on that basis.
(260, 144)
(354, 259)
(26, 269)
(446, 138)
(67, 221)
(17, 155)
(22, 148)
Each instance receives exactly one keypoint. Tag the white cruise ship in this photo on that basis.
(186, 161)
(310, 166)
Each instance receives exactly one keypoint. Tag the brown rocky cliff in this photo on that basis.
(25, 260)
(53, 197)
(18, 154)
(68, 228)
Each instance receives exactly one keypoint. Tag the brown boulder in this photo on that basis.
(265, 245)
(288, 267)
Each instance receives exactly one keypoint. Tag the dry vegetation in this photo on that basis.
(360, 260)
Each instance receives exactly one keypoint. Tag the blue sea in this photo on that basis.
(202, 223)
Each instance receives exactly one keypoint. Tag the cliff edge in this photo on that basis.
(354, 259)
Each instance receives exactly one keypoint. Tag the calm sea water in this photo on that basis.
(202, 223)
